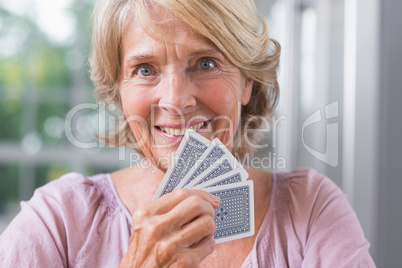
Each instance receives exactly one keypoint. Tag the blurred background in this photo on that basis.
(340, 112)
(44, 46)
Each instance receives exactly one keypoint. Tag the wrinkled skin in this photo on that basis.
(175, 230)
(165, 83)
(178, 90)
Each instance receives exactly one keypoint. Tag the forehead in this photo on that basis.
(166, 29)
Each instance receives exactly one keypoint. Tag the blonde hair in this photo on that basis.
(233, 26)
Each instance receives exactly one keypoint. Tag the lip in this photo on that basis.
(171, 138)
(174, 138)
(180, 126)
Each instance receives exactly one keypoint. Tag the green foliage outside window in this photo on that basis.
(37, 79)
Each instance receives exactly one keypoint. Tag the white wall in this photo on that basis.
(390, 150)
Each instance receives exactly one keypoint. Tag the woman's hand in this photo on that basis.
(174, 230)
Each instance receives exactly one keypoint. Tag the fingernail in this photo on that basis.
(217, 200)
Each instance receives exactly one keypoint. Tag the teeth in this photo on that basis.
(180, 131)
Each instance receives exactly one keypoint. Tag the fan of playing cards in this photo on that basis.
(202, 164)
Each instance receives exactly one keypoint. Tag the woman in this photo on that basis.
(171, 65)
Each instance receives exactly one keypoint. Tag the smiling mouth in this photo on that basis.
(182, 131)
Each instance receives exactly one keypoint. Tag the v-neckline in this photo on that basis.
(264, 226)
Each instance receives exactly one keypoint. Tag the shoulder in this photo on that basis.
(321, 226)
(309, 198)
(69, 181)
(58, 215)
(306, 184)
(304, 177)
(73, 198)
(75, 210)
(73, 188)
(70, 220)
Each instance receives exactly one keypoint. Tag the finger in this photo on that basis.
(189, 209)
(170, 200)
(192, 233)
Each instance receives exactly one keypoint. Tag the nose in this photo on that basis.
(177, 94)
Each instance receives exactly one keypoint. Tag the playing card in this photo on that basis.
(234, 218)
(190, 150)
(221, 166)
(214, 152)
(200, 164)
(234, 176)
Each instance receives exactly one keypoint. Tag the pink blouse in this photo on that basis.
(79, 221)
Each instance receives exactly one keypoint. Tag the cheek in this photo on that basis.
(136, 103)
(137, 106)
(222, 96)
(224, 99)
(137, 110)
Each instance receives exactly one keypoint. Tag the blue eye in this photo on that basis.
(145, 71)
(207, 64)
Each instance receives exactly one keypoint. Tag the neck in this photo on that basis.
(149, 175)
(137, 184)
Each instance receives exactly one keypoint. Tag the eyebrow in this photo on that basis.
(141, 57)
(147, 57)
(207, 51)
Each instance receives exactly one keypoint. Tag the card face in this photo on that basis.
(214, 152)
(235, 176)
(220, 167)
(190, 150)
(234, 218)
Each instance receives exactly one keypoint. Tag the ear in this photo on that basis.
(246, 92)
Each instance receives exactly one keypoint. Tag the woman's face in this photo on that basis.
(166, 88)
